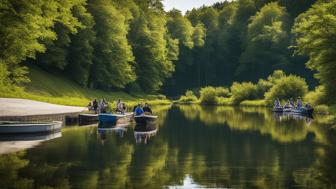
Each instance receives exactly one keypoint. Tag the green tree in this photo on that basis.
(81, 48)
(113, 58)
(267, 42)
(25, 25)
(199, 35)
(148, 37)
(180, 28)
(57, 50)
(315, 37)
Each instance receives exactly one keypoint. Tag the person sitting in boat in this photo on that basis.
(288, 104)
(299, 103)
(95, 106)
(291, 102)
(124, 106)
(120, 107)
(147, 109)
(138, 110)
(90, 106)
(308, 106)
(277, 103)
(103, 106)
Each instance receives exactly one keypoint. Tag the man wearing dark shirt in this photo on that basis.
(147, 109)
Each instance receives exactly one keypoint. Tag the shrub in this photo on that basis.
(276, 76)
(224, 101)
(287, 88)
(208, 95)
(322, 109)
(161, 97)
(262, 87)
(189, 97)
(222, 92)
(316, 97)
(156, 97)
(260, 102)
(243, 91)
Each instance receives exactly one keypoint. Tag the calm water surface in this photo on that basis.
(190, 147)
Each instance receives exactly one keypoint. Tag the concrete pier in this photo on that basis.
(14, 109)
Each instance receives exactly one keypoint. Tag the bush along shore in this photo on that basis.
(278, 85)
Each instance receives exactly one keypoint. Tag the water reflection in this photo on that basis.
(285, 128)
(210, 147)
(17, 142)
(289, 116)
(105, 129)
(143, 132)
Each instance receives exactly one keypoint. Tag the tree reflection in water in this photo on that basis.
(194, 145)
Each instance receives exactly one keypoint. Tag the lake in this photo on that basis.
(190, 146)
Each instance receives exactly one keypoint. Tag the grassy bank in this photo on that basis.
(56, 89)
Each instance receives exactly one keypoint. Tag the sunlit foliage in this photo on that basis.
(315, 37)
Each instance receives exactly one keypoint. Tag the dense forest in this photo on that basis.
(134, 45)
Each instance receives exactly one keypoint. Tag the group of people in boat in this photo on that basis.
(142, 110)
(290, 104)
(98, 106)
(139, 109)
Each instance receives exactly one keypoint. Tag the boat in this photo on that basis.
(278, 109)
(110, 118)
(87, 119)
(21, 127)
(145, 119)
(303, 111)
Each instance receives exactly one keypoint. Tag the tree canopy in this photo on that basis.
(137, 45)
(316, 37)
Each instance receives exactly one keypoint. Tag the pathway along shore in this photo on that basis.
(24, 107)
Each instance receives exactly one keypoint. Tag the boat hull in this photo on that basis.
(109, 118)
(278, 109)
(20, 128)
(303, 111)
(145, 119)
(114, 118)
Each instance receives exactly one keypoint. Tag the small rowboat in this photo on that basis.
(145, 119)
(110, 118)
(20, 128)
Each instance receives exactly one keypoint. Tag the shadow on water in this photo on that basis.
(193, 146)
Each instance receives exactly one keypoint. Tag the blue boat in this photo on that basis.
(110, 118)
